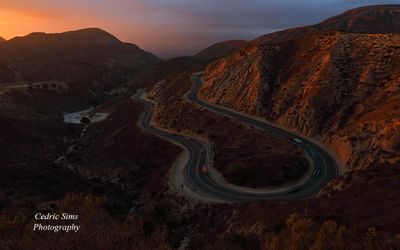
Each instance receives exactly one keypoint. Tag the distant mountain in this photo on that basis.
(91, 57)
(378, 19)
(381, 19)
(167, 70)
(221, 49)
(87, 36)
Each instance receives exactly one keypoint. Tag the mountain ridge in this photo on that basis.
(374, 19)
(89, 56)
(352, 21)
(86, 35)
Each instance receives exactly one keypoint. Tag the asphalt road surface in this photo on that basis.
(208, 188)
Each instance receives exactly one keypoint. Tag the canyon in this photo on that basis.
(336, 82)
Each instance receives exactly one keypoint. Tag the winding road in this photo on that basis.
(208, 188)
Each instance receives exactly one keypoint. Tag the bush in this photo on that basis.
(304, 233)
(301, 233)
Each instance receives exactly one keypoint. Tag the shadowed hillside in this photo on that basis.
(219, 50)
(91, 57)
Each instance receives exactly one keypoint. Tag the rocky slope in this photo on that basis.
(341, 87)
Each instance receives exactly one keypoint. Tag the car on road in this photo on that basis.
(297, 140)
(317, 172)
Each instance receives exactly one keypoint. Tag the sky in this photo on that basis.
(169, 28)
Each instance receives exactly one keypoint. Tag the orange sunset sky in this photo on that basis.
(167, 27)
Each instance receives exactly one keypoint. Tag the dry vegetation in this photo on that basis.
(150, 231)
(301, 233)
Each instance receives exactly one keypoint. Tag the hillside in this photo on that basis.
(88, 35)
(163, 70)
(381, 19)
(91, 57)
(378, 19)
(221, 49)
(42, 76)
(341, 87)
(2, 40)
